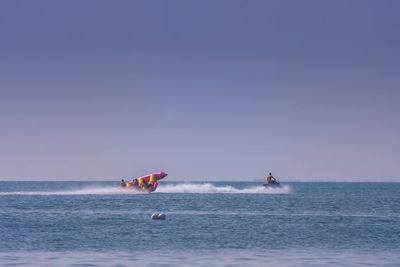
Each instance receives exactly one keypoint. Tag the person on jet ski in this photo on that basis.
(122, 184)
(271, 179)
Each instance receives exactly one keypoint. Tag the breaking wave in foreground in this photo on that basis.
(206, 188)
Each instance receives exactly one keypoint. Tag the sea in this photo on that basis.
(206, 224)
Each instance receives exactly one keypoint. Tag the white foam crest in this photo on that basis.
(206, 188)
(209, 188)
(83, 191)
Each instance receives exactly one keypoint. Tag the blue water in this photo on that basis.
(219, 223)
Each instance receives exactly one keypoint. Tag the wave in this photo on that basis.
(188, 188)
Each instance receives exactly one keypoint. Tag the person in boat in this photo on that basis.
(122, 184)
(153, 181)
(147, 185)
(271, 179)
(142, 183)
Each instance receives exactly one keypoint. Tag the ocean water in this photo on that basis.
(207, 224)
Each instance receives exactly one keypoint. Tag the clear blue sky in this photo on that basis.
(204, 90)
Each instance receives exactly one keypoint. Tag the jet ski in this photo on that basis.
(273, 184)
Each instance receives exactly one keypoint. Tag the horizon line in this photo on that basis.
(238, 181)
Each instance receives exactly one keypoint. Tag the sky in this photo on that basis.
(203, 90)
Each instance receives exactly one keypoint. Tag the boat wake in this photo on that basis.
(206, 188)
(209, 188)
(83, 191)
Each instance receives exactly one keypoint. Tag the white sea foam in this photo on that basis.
(209, 188)
(83, 191)
(206, 188)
